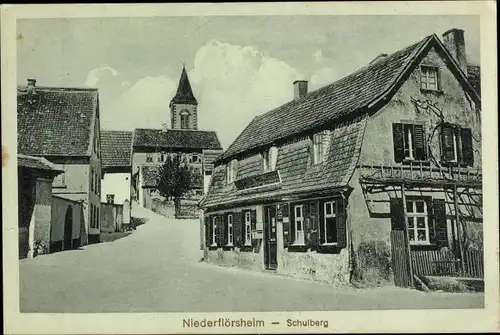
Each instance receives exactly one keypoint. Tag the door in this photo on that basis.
(68, 228)
(271, 245)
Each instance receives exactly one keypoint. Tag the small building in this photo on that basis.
(375, 177)
(116, 149)
(151, 147)
(62, 125)
(35, 176)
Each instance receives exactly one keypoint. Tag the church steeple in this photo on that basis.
(184, 93)
(183, 106)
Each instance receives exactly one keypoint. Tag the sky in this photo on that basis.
(238, 66)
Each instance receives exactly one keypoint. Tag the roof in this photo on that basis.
(296, 175)
(474, 74)
(181, 139)
(39, 163)
(355, 92)
(209, 156)
(55, 121)
(184, 93)
(116, 148)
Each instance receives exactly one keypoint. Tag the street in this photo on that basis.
(157, 269)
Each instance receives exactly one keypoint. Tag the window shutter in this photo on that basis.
(253, 219)
(467, 149)
(225, 235)
(286, 225)
(220, 230)
(207, 231)
(237, 227)
(441, 226)
(291, 236)
(321, 222)
(447, 143)
(431, 222)
(397, 214)
(419, 139)
(341, 225)
(307, 223)
(313, 240)
(398, 139)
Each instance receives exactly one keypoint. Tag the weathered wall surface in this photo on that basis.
(453, 102)
(111, 217)
(176, 109)
(59, 208)
(117, 184)
(42, 214)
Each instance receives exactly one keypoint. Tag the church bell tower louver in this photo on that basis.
(183, 106)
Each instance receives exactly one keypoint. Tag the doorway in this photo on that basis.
(271, 245)
(68, 229)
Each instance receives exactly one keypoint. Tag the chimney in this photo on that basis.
(164, 126)
(299, 89)
(455, 43)
(31, 83)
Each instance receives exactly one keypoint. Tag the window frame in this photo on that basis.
(230, 230)
(333, 214)
(184, 119)
(214, 232)
(248, 229)
(317, 147)
(424, 74)
(414, 215)
(149, 157)
(299, 238)
(230, 173)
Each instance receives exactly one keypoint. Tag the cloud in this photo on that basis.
(323, 77)
(232, 84)
(318, 55)
(95, 74)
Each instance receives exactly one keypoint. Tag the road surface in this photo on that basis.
(157, 269)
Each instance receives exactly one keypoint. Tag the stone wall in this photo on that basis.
(59, 208)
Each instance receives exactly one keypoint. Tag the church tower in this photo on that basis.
(183, 106)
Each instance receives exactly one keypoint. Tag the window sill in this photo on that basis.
(408, 161)
(334, 244)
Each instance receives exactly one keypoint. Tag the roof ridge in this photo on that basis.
(44, 88)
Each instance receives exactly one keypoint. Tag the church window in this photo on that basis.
(184, 119)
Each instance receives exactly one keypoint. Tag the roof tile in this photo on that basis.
(116, 148)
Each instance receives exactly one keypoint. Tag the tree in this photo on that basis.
(175, 179)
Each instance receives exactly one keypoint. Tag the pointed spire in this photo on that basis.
(184, 93)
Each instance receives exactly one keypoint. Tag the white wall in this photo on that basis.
(117, 184)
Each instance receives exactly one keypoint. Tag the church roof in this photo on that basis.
(184, 93)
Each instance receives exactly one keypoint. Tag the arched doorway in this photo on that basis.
(68, 228)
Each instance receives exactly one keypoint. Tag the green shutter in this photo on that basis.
(441, 226)
(467, 149)
(397, 214)
(253, 219)
(313, 211)
(220, 230)
(207, 231)
(398, 139)
(341, 224)
(237, 228)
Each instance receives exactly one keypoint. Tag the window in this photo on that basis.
(418, 222)
(194, 158)
(409, 142)
(91, 216)
(299, 225)
(429, 78)
(230, 171)
(317, 156)
(97, 218)
(456, 145)
(161, 157)
(330, 218)
(248, 232)
(149, 158)
(92, 179)
(229, 230)
(269, 158)
(214, 231)
(184, 119)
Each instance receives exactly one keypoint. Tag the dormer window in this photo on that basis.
(269, 158)
(318, 154)
(231, 171)
(429, 78)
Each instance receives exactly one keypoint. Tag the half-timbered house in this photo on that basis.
(375, 177)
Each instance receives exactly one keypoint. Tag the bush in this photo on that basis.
(373, 263)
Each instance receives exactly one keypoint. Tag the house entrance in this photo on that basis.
(68, 228)
(270, 246)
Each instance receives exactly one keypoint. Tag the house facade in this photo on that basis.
(375, 177)
(62, 125)
(116, 149)
(151, 147)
